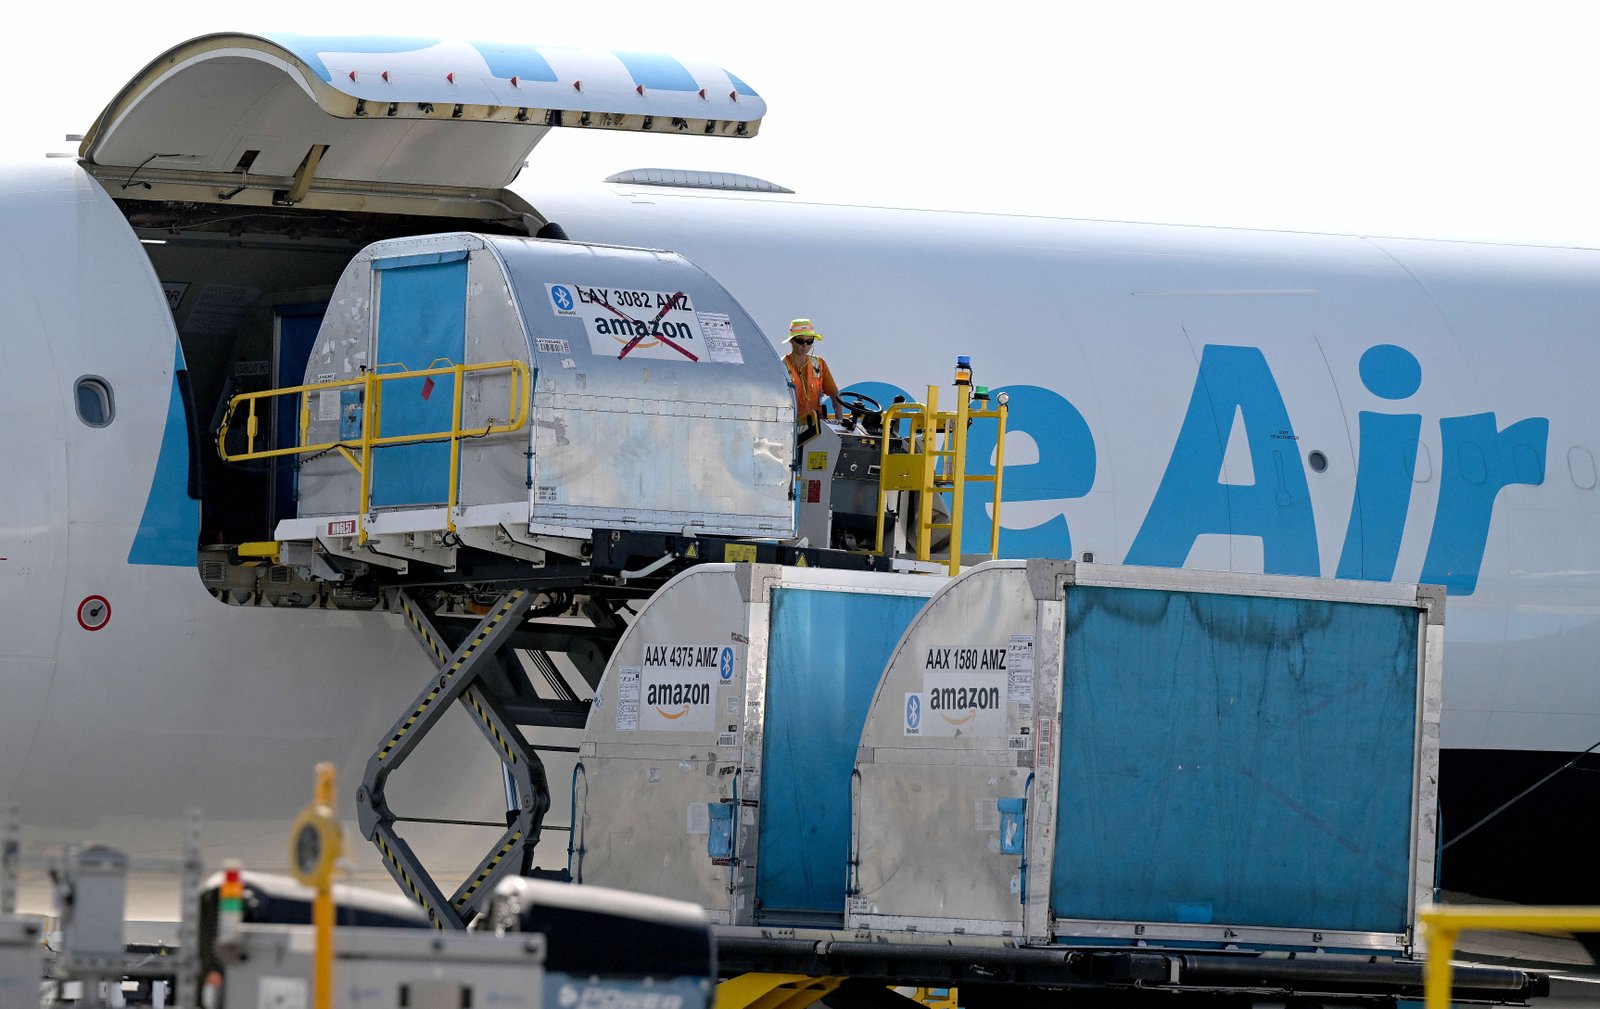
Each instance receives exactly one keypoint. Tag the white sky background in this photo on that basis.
(1429, 120)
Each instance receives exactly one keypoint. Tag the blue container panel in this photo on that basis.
(422, 317)
(827, 651)
(1235, 760)
(297, 334)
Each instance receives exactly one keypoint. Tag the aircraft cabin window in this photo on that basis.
(1581, 465)
(95, 406)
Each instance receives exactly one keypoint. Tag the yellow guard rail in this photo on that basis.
(358, 452)
(929, 469)
(1442, 926)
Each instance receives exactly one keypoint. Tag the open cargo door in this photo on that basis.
(357, 124)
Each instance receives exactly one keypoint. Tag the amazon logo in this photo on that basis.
(960, 705)
(674, 700)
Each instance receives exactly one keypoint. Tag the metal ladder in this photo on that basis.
(934, 463)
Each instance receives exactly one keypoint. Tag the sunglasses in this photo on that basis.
(803, 343)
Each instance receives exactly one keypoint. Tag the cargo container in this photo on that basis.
(1079, 754)
(716, 762)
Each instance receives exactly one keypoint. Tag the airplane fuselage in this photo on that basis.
(1296, 404)
(1299, 404)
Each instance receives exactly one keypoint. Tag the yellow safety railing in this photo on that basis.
(1442, 926)
(935, 464)
(358, 452)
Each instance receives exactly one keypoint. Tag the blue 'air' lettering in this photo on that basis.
(1387, 464)
(1479, 460)
(1192, 499)
(1065, 468)
(1197, 496)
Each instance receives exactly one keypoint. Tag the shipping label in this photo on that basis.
(1019, 668)
(678, 687)
(630, 323)
(964, 692)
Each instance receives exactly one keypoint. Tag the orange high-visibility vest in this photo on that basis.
(807, 385)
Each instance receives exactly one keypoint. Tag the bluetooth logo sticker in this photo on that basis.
(726, 669)
(561, 298)
(913, 713)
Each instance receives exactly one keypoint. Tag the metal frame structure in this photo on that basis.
(62, 963)
(1053, 580)
(924, 470)
(757, 585)
(1442, 926)
(740, 744)
(459, 679)
(1032, 920)
(358, 452)
(993, 972)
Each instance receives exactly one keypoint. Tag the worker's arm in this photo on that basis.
(832, 390)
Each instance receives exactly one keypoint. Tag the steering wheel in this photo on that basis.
(857, 402)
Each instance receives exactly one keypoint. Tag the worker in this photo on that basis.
(808, 372)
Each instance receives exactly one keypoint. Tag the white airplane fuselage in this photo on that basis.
(1301, 404)
(175, 701)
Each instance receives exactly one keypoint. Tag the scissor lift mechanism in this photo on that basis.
(459, 679)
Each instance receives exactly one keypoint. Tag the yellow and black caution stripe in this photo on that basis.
(482, 710)
(505, 849)
(406, 881)
(424, 632)
(487, 628)
(484, 630)
(405, 726)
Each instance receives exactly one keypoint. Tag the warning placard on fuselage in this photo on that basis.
(634, 323)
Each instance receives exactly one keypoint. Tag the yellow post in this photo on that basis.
(999, 473)
(315, 845)
(370, 392)
(1443, 925)
(883, 477)
(455, 451)
(958, 473)
(1441, 943)
(930, 438)
(322, 912)
(895, 468)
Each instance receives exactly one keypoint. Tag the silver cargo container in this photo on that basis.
(656, 401)
(716, 764)
(1088, 754)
